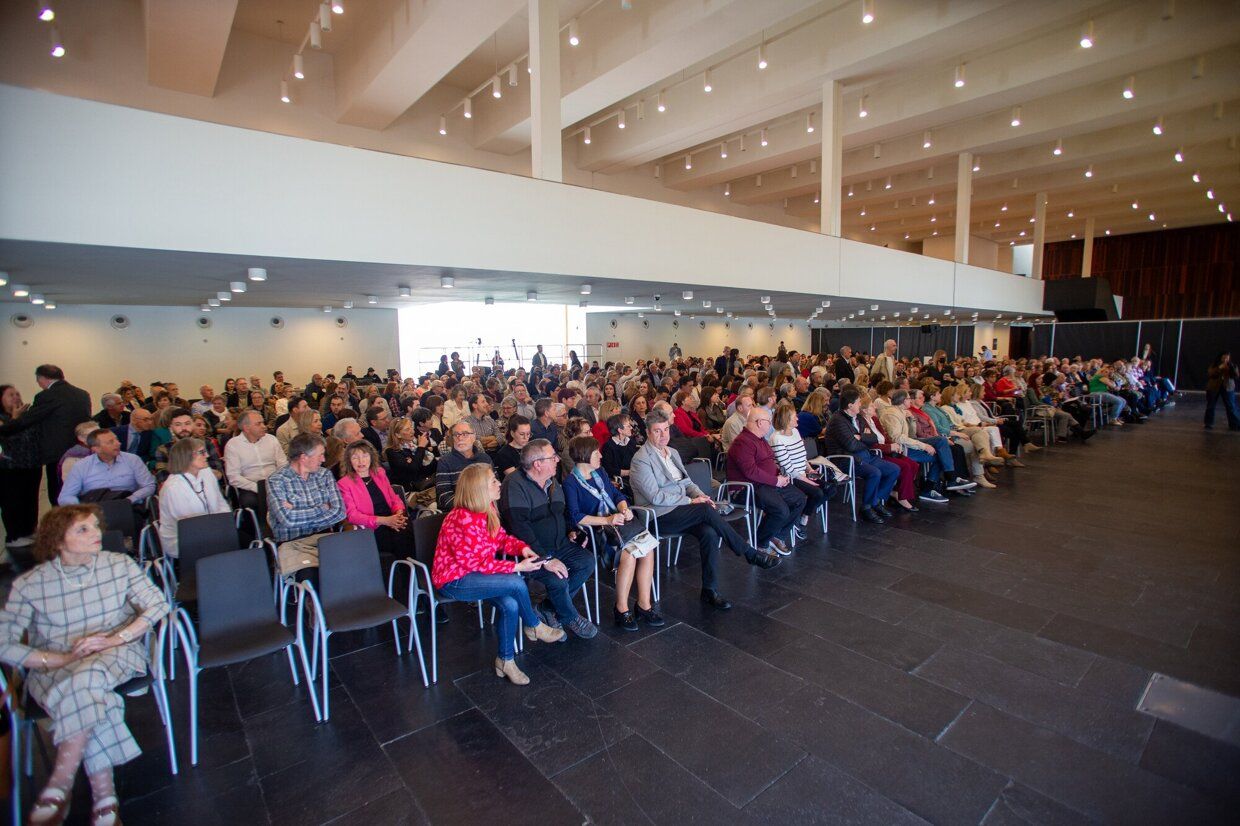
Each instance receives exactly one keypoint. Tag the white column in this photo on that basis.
(546, 153)
(1039, 233)
(1087, 260)
(964, 205)
(832, 162)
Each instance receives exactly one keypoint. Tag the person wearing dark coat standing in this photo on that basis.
(58, 408)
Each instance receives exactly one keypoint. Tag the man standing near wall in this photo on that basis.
(58, 408)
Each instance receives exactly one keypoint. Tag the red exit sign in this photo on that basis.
(612, 344)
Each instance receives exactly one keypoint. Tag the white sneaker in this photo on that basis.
(983, 482)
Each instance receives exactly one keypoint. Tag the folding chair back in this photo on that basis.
(118, 515)
(202, 536)
(349, 569)
(234, 593)
(699, 474)
(425, 535)
(114, 542)
(811, 448)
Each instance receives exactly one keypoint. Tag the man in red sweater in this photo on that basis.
(750, 459)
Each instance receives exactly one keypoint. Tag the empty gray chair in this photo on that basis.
(236, 622)
(350, 597)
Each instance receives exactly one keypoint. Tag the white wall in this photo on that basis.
(634, 341)
(987, 334)
(164, 343)
(428, 331)
(81, 172)
(982, 251)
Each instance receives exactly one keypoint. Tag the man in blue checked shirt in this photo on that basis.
(303, 504)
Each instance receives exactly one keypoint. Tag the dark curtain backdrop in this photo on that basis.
(1179, 273)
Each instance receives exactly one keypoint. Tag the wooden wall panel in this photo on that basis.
(1179, 273)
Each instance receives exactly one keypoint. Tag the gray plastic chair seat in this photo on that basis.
(365, 612)
(244, 644)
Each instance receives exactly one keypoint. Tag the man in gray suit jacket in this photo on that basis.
(661, 483)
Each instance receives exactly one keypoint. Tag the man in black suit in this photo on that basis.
(113, 413)
(844, 370)
(58, 408)
(138, 437)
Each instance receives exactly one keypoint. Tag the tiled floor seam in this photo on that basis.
(954, 720)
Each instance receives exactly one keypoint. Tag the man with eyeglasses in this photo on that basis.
(661, 483)
(465, 452)
(533, 509)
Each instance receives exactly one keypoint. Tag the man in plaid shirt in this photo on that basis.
(303, 503)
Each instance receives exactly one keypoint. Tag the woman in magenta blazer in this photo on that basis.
(370, 502)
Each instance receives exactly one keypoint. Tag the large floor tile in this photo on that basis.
(816, 792)
(731, 754)
(897, 646)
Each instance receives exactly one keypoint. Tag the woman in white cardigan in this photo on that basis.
(191, 489)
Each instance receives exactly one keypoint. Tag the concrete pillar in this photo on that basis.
(1039, 234)
(832, 162)
(1087, 260)
(546, 152)
(964, 204)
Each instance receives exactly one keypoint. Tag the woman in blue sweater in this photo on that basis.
(593, 501)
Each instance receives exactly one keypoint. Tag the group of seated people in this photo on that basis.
(533, 474)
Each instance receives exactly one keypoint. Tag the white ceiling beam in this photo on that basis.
(1044, 67)
(396, 55)
(1098, 105)
(623, 52)
(185, 43)
(833, 46)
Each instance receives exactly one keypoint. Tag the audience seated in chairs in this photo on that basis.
(109, 473)
(848, 435)
(752, 460)
(303, 505)
(250, 458)
(476, 559)
(533, 509)
(465, 452)
(378, 420)
(788, 445)
(595, 503)
(516, 436)
(892, 451)
(661, 483)
(79, 451)
(619, 450)
(372, 504)
(76, 623)
(181, 425)
(189, 489)
(345, 432)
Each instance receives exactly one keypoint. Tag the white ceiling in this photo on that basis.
(81, 274)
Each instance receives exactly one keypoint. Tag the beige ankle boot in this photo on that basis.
(508, 668)
(544, 633)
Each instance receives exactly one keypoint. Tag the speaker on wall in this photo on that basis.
(342, 322)
(202, 322)
(276, 322)
(21, 320)
(120, 322)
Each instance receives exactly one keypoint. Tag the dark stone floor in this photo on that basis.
(979, 663)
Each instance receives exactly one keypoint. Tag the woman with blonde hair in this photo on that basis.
(475, 559)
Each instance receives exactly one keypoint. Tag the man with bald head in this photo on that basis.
(751, 459)
(249, 458)
(138, 437)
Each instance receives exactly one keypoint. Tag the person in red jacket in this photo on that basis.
(750, 459)
(476, 559)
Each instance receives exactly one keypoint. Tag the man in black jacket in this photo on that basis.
(844, 370)
(533, 510)
(848, 434)
(58, 408)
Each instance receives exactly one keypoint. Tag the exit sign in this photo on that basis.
(612, 344)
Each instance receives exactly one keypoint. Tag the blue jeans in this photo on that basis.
(508, 593)
(878, 477)
(580, 565)
(943, 450)
(935, 471)
(1228, 397)
(1115, 406)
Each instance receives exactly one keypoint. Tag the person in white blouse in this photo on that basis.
(190, 490)
(249, 458)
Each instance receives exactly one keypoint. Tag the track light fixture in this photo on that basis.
(1058, 148)
(1087, 35)
(1197, 176)
(925, 140)
(58, 46)
(585, 137)
(284, 95)
(959, 76)
(1129, 84)
(1016, 116)
(468, 106)
(862, 110)
(495, 92)
(325, 17)
(46, 13)
(867, 11)
(1158, 126)
(723, 151)
(688, 162)
(574, 37)
(1089, 171)
(809, 122)
(1179, 155)
(727, 190)
(338, 7)
(762, 56)
(706, 87)
(621, 123)
(299, 67)
(316, 35)
(661, 106)
(977, 163)
(762, 137)
(443, 125)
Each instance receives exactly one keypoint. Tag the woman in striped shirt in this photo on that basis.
(789, 450)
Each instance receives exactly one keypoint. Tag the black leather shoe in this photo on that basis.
(713, 599)
(882, 511)
(652, 617)
(762, 559)
(625, 620)
(870, 515)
